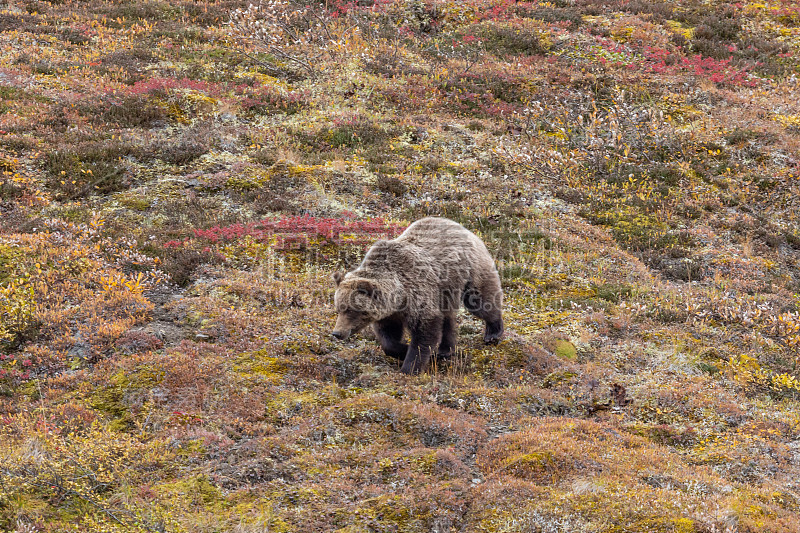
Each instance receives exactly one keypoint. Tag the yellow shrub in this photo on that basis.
(746, 371)
(17, 310)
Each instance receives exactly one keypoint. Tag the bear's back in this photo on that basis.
(442, 238)
(455, 252)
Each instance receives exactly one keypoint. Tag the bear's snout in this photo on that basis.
(341, 335)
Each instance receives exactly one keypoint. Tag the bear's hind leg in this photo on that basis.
(448, 345)
(486, 305)
(425, 338)
(390, 334)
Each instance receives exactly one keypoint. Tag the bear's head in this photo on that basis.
(359, 302)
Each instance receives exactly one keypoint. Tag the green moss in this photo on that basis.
(684, 525)
(613, 293)
(30, 389)
(256, 511)
(565, 349)
(539, 466)
(197, 491)
(425, 463)
(74, 213)
(110, 399)
(508, 354)
(483, 364)
(259, 364)
(391, 513)
(556, 378)
(192, 448)
(535, 459)
(135, 203)
(251, 179)
(656, 524)
(204, 491)
(708, 368)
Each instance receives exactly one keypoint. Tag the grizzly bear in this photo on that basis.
(417, 282)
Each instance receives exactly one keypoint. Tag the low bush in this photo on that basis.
(510, 39)
(181, 152)
(18, 318)
(93, 167)
(181, 263)
(130, 112)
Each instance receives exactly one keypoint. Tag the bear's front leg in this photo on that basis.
(448, 344)
(390, 334)
(425, 338)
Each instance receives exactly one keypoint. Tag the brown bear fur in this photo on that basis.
(417, 282)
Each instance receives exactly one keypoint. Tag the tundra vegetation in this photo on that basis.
(179, 179)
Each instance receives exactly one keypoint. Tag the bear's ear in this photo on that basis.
(337, 277)
(367, 287)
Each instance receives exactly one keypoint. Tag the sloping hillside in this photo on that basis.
(180, 179)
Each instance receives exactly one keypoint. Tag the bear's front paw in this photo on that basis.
(493, 337)
(494, 332)
(411, 370)
(415, 363)
(445, 355)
